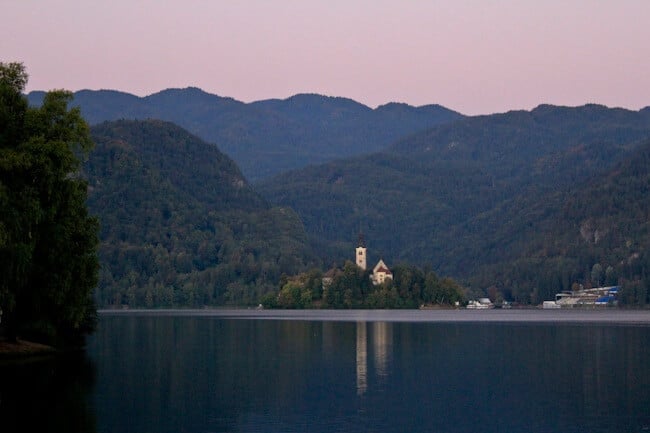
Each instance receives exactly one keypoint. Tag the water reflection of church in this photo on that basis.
(382, 345)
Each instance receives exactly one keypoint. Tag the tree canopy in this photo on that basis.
(48, 240)
(181, 227)
(351, 287)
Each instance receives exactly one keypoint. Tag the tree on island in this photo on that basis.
(352, 287)
(48, 241)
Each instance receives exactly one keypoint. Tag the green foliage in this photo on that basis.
(352, 287)
(601, 224)
(294, 296)
(180, 225)
(492, 200)
(348, 289)
(299, 291)
(523, 203)
(635, 286)
(48, 241)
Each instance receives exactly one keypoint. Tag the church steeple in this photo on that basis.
(361, 252)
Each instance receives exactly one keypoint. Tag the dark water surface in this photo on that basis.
(431, 371)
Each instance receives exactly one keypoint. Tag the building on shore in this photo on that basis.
(598, 296)
(380, 273)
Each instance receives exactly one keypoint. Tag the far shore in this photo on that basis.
(528, 315)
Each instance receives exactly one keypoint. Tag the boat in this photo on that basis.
(481, 304)
(550, 305)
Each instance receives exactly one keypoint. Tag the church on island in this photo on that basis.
(380, 273)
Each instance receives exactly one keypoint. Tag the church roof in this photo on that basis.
(381, 267)
(384, 270)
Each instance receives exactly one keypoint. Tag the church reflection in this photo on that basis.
(382, 335)
(362, 358)
(382, 343)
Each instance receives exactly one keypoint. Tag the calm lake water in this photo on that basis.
(358, 371)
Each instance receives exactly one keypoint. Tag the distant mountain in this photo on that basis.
(525, 203)
(468, 197)
(180, 224)
(272, 136)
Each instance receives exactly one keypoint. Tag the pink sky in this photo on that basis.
(477, 57)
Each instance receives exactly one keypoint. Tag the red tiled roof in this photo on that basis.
(384, 270)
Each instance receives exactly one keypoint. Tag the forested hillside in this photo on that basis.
(593, 233)
(496, 201)
(476, 194)
(180, 226)
(268, 137)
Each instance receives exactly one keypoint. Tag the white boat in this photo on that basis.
(550, 305)
(481, 304)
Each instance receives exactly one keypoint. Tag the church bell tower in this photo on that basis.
(361, 252)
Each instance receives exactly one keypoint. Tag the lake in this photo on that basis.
(342, 371)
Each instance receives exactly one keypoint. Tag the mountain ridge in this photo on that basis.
(486, 199)
(269, 136)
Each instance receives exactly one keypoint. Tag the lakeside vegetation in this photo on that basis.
(352, 287)
(515, 206)
(513, 221)
(48, 240)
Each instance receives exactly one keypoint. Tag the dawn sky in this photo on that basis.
(477, 57)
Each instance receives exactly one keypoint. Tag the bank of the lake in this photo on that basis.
(23, 349)
(531, 315)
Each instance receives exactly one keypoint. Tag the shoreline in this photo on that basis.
(22, 349)
(536, 315)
